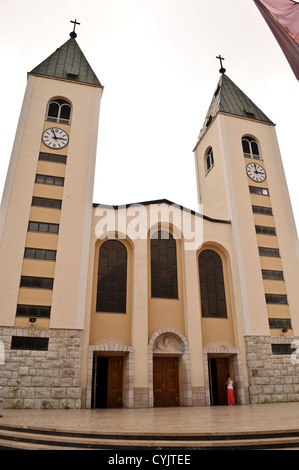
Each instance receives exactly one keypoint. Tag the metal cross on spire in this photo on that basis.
(73, 34)
(222, 69)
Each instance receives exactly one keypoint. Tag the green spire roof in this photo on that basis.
(229, 99)
(68, 63)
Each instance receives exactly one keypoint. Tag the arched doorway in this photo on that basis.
(169, 369)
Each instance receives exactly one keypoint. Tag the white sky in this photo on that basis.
(157, 62)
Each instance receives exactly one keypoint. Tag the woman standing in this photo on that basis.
(230, 390)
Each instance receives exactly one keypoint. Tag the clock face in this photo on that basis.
(256, 172)
(55, 138)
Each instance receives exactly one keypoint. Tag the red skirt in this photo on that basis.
(230, 396)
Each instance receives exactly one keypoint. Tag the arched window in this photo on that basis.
(59, 110)
(163, 266)
(209, 160)
(212, 292)
(250, 147)
(112, 278)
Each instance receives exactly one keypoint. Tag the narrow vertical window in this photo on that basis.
(112, 278)
(209, 160)
(164, 282)
(212, 291)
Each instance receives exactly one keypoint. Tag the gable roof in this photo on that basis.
(162, 201)
(229, 99)
(68, 63)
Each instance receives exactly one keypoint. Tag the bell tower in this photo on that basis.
(240, 176)
(46, 208)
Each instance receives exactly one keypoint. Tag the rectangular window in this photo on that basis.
(51, 157)
(271, 274)
(43, 227)
(259, 190)
(280, 323)
(265, 230)
(282, 349)
(34, 282)
(262, 210)
(264, 251)
(45, 179)
(276, 299)
(29, 343)
(35, 311)
(46, 202)
(36, 253)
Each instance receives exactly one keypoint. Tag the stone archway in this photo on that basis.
(171, 341)
(113, 348)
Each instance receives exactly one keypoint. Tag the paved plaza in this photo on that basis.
(161, 421)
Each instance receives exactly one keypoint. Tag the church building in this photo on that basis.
(149, 304)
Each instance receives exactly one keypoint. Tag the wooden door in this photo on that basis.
(114, 385)
(165, 381)
(107, 385)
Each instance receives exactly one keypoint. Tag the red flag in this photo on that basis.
(282, 17)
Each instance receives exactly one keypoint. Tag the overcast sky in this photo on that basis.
(157, 62)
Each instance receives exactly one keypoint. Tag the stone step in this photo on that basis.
(20, 438)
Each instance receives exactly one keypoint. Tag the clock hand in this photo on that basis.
(54, 134)
(258, 172)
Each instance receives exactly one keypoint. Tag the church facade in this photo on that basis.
(150, 304)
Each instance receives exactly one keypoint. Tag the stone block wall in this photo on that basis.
(198, 396)
(273, 378)
(41, 379)
(141, 397)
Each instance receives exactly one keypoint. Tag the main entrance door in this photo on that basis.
(107, 382)
(165, 381)
(219, 368)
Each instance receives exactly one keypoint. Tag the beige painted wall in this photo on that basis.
(232, 179)
(146, 315)
(73, 240)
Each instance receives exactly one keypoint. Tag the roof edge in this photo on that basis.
(163, 201)
(268, 123)
(65, 80)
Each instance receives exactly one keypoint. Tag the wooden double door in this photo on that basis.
(165, 381)
(107, 381)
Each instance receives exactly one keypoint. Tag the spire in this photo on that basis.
(229, 99)
(68, 63)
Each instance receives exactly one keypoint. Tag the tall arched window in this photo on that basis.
(59, 110)
(250, 147)
(112, 278)
(164, 283)
(212, 292)
(209, 159)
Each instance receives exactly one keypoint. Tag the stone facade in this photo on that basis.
(41, 379)
(273, 378)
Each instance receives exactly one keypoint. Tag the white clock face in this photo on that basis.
(256, 172)
(55, 138)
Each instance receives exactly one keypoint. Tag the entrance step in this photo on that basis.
(18, 437)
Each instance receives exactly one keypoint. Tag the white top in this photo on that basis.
(230, 384)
